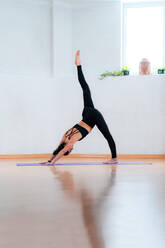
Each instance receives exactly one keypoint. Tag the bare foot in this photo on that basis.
(111, 161)
(77, 58)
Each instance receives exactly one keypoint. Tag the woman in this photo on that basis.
(91, 117)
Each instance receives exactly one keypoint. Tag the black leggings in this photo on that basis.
(92, 116)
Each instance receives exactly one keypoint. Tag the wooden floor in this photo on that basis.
(87, 206)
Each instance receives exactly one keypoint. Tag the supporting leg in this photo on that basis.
(103, 128)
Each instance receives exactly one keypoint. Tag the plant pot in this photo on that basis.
(161, 71)
(125, 72)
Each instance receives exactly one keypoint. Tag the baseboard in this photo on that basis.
(120, 156)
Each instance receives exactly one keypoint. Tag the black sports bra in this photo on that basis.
(84, 132)
(80, 129)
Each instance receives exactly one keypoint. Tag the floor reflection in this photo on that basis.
(90, 207)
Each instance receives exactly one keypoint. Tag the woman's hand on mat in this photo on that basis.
(45, 163)
(111, 161)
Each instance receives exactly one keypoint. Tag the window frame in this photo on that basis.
(125, 6)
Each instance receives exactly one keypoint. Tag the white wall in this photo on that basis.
(96, 32)
(62, 39)
(25, 37)
(37, 109)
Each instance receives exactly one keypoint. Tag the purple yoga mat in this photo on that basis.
(82, 163)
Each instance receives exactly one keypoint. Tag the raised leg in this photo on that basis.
(85, 87)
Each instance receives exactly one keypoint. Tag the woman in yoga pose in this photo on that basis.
(91, 117)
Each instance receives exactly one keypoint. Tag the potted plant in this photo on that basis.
(117, 73)
(161, 70)
(110, 73)
(125, 70)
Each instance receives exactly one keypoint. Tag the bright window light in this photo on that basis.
(143, 36)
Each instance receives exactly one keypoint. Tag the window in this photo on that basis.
(143, 34)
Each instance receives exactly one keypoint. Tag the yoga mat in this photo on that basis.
(82, 163)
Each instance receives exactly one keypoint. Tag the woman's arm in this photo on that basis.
(68, 147)
(53, 156)
(60, 154)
